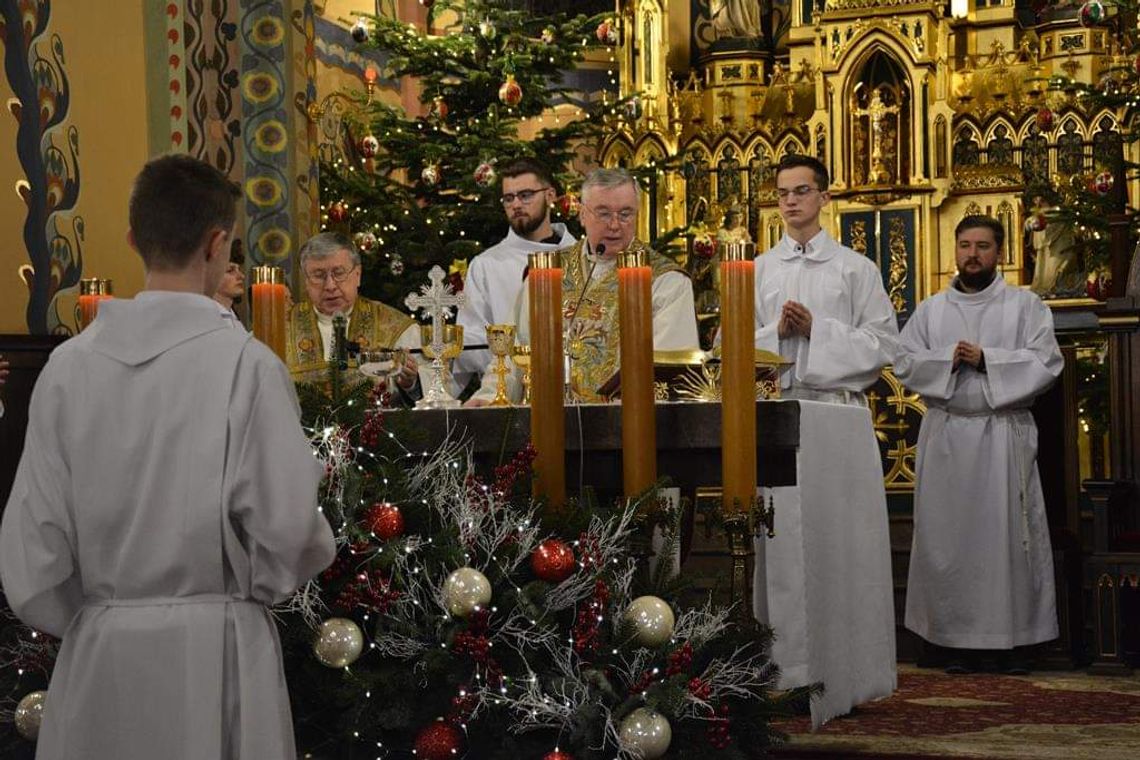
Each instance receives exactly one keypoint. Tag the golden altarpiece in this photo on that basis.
(923, 112)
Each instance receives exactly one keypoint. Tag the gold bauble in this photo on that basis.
(465, 591)
(339, 642)
(652, 620)
(29, 713)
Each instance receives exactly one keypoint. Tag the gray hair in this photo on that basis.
(607, 178)
(320, 247)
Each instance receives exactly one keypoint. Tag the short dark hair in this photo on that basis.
(176, 202)
(796, 160)
(236, 255)
(521, 166)
(981, 220)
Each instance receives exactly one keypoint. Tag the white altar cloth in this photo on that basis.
(827, 571)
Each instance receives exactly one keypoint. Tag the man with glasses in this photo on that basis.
(590, 309)
(331, 269)
(820, 303)
(495, 277)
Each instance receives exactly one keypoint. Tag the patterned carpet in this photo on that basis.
(1063, 715)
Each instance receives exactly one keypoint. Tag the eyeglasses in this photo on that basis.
(522, 195)
(605, 216)
(799, 191)
(321, 276)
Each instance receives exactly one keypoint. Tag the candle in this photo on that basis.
(92, 290)
(269, 308)
(638, 423)
(738, 375)
(547, 421)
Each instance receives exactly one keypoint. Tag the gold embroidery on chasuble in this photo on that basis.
(373, 325)
(593, 341)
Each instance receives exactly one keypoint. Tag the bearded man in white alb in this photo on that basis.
(981, 568)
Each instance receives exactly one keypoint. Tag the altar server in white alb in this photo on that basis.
(166, 496)
(981, 570)
(819, 303)
(495, 277)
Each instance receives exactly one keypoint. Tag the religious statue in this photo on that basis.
(733, 19)
(876, 112)
(733, 229)
(1056, 258)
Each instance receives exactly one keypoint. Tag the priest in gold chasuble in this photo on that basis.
(589, 291)
(331, 269)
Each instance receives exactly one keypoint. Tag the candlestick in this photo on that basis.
(269, 307)
(547, 423)
(638, 420)
(738, 376)
(92, 290)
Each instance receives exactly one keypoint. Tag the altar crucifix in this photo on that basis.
(876, 111)
(436, 301)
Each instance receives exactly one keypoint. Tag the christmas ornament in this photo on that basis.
(338, 212)
(366, 241)
(430, 174)
(552, 561)
(485, 174)
(488, 29)
(652, 620)
(439, 108)
(1045, 119)
(360, 31)
(1102, 183)
(29, 713)
(548, 36)
(647, 733)
(511, 92)
(465, 591)
(1035, 223)
(339, 642)
(439, 741)
(1092, 13)
(557, 755)
(396, 265)
(385, 521)
(607, 32)
(369, 146)
(704, 246)
(569, 204)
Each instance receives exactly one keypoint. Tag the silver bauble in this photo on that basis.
(647, 733)
(465, 591)
(652, 620)
(29, 713)
(339, 642)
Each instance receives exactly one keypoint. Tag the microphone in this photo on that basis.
(340, 340)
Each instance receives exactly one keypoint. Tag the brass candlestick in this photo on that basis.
(501, 339)
(521, 359)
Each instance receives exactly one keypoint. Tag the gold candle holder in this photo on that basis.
(501, 339)
(521, 358)
(92, 290)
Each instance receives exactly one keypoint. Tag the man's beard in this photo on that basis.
(524, 225)
(977, 280)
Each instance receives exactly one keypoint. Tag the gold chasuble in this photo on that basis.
(593, 340)
(372, 324)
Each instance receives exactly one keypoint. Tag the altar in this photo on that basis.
(824, 579)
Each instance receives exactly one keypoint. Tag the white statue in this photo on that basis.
(733, 19)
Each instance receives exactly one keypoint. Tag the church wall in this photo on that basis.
(104, 66)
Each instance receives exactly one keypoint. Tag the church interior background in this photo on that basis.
(924, 112)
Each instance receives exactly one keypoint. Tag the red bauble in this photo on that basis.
(1102, 183)
(557, 755)
(552, 561)
(439, 741)
(369, 146)
(1045, 119)
(511, 92)
(338, 212)
(385, 521)
(569, 204)
(607, 32)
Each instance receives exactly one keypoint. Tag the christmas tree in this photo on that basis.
(416, 190)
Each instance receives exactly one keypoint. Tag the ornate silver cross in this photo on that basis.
(436, 301)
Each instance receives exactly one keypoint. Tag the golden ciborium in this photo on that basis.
(521, 359)
(501, 339)
(440, 349)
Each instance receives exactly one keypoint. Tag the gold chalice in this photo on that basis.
(440, 349)
(521, 359)
(501, 339)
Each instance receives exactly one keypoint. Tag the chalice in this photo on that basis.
(521, 359)
(501, 339)
(439, 348)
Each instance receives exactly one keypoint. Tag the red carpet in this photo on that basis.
(1069, 716)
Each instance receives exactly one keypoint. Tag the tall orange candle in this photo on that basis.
(638, 422)
(268, 308)
(738, 375)
(547, 420)
(92, 290)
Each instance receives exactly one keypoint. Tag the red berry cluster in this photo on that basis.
(717, 732)
(700, 688)
(462, 705)
(372, 429)
(508, 474)
(680, 659)
(339, 567)
(589, 552)
(370, 590)
(585, 635)
(475, 643)
(642, 683)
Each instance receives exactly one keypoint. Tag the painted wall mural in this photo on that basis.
(48, 151)
(213, 124)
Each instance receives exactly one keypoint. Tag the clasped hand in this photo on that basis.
(967, 353)
(795, 319)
